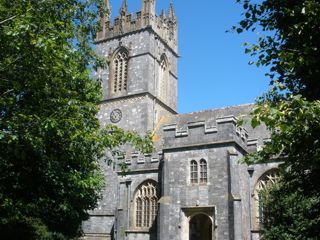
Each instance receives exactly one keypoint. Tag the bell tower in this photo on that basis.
(139, 86)
(139, 83)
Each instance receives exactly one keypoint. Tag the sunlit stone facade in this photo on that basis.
(192, 187)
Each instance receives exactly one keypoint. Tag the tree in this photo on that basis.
(290, 110)
(50, 138)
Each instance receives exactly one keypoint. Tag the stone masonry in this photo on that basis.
(214, 200)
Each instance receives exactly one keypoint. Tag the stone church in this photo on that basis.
(192, 187)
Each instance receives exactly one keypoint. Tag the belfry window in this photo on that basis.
(163, 78)
(120, 72)
(193, 172)
(203, 171)
(146, 205)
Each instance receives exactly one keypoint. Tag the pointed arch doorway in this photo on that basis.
(200, 227)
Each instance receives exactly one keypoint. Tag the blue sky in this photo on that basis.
(213, 69)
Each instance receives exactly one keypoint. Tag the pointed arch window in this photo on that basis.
(267, 180)
(193, 172)
(146, 205)
(120, 72)
(203, 171)
(163, 78)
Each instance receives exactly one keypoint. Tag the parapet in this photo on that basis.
(222, 130)
(166, 27)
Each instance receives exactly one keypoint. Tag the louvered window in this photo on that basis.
(163, 79)
(120, 72)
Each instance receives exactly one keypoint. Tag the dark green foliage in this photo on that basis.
(50, 139)
(290, 46)
(292, 207)
(289, 43)
(290, 213)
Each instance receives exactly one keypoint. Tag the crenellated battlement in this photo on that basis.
(209, 127)
(164, 26)
(137, 161)
(219, 130)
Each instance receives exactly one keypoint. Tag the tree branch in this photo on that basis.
(8, 19)
(15, 60)
(10, 90)
(13, 17)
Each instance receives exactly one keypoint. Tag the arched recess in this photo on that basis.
(266, 180)
(145, 204)
(198, 221)
(119, 71)
(163, 83)
(200, 227)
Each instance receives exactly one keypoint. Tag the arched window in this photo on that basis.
(193, 172)
(265, 181)
(198, 174)
(119, 72)
(146, 205)
(203, 171)
(163, 78)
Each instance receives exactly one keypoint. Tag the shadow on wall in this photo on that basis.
(153, 230)
(112, 233)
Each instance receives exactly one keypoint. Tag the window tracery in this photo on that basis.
(146, 205)
(138, 212)
(267, 180)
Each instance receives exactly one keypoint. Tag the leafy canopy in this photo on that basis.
(289, 45)
(50, 138)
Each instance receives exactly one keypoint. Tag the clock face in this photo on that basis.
(115, 115)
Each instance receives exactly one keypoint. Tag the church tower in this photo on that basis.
(139, 82)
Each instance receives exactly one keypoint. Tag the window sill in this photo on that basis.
(198, 184)
(138, 230)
